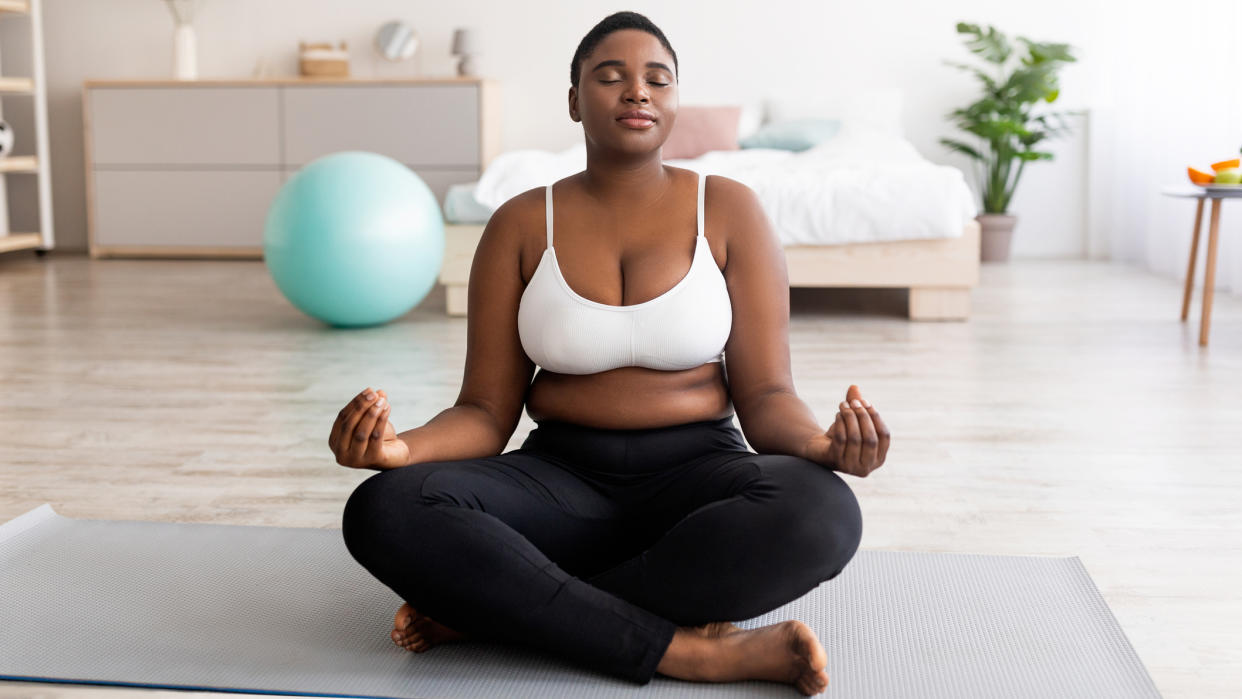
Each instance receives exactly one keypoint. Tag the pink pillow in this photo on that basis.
(702, 129)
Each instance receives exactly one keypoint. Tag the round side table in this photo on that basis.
(1209, 273)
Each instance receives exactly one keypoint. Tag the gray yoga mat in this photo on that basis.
(287, 610)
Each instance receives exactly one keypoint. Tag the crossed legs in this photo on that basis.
(521, 548)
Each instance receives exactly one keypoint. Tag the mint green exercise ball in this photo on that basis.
(354, 239)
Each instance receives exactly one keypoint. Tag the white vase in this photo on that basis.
(185, 64)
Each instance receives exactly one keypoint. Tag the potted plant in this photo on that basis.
(1006, 122)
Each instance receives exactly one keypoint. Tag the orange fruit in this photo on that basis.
(1199, 177)
(1224, 164)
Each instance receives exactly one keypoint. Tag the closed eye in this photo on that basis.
(609, 82)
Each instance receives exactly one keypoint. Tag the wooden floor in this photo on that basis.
(1072, 415)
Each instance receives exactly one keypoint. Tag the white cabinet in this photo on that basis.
(189, 208)
(430, 125)
(189, 168)
(185, 126)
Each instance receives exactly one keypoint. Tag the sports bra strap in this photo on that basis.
(702, 193)
(548, 215)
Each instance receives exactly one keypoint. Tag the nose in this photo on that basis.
(637, 94)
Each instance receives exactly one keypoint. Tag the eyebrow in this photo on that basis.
(615, 62)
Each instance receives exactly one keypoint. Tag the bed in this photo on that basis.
(861, 209)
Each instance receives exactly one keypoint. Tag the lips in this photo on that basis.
(636, 114)
(637, 119)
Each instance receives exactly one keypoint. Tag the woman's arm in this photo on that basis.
(497, 372)
(772, 416)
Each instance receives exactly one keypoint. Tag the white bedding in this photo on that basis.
(859, 186)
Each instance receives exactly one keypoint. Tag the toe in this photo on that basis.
(404, 615)
(821, 682)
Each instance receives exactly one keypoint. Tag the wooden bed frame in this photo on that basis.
(939, 273)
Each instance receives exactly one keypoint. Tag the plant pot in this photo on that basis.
(996, 232)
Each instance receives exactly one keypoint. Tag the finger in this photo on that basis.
(870, 442)
(881, 432)
(334, 437)
(853, 439)
(372, 420)
(375, 442)
(357, 411)
(338, 425)
(362, 431)
(837, 432)
(853, 394)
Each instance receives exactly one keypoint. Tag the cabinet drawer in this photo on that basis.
(184, 126)
(417, 125)
(438, 180)
(212, 208)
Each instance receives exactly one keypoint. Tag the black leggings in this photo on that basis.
(596, 544)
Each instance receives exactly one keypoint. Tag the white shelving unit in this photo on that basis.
(39, 165)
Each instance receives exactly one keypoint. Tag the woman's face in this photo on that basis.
(628, 70)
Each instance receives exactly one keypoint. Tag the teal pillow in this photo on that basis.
(794, 134)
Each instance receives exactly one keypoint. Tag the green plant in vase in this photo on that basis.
(1006, 122)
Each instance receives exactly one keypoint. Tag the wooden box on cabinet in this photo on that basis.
(189, 168)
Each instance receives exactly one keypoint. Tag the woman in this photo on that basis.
(633, 524)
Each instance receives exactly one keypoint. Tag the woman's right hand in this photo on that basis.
(362, 436)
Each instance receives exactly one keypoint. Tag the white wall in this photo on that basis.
(1161, 107)
(729, 50)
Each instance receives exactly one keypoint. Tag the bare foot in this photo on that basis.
(715, 629)
(418, 632)
(786, 652)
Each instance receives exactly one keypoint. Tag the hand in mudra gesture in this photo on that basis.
(858, 440)
(362, 436)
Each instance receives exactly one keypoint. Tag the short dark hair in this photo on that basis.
(608, 25)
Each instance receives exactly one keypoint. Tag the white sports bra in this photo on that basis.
(684, 327)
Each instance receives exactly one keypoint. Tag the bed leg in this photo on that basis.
(939, 303)
(455, 299)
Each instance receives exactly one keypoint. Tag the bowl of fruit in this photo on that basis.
(1225, 175)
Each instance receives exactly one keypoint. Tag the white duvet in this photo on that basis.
(859, 186)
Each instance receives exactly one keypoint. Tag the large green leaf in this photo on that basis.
(963, 148)
(1042, 52)
(1033, 155)
(1032, 138)
(991, 45)
(1028, 85)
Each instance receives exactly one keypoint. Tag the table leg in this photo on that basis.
(1194, 253)
(1209, 273)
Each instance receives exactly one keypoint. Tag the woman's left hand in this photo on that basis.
(857, 442)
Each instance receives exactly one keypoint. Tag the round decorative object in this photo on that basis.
(6, 139)
(396, 41)
(354, 239)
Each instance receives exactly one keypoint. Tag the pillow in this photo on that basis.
(795, 134)
(702, 129)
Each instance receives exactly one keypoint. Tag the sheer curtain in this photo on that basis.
(1166, 94)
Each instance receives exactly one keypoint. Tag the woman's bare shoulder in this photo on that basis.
(519, 222)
